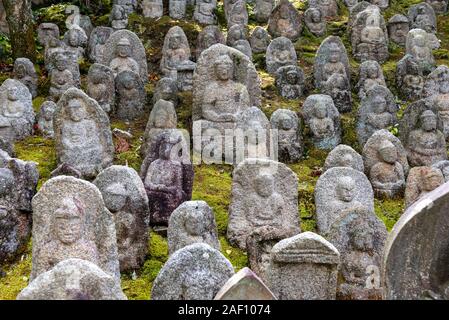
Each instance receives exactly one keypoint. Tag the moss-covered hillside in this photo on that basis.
(212, 182)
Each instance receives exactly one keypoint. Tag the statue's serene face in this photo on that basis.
(61, 63)
(161, 119)
(223, 71)
(389, 154)
(320, 111)
(264, 185)
(21, 71)
(316, 16)
(363, 238)
(334, 55)
(194, 224)
(13, 94)
(444, 85)
(292, 77)
(429, 123)
(345, 189)
(73, 38)
(76, 110)
(420, 41)
(123, 50)
(47, 114)
(174, 42)
(287, 123)
(372, 72)
(113, 200)
(379, 105)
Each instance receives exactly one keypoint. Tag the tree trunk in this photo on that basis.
(21, 28)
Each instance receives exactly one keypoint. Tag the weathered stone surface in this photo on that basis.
(192, 222)
(130, 5)
(125, 197)
(176, 50)
(245, 285)
(177, 9)
(75, 40)
(344, 156)
(360, 237)
(263, 194)
(386, 164)
(69, 60)
(235, 33)
(259, 243)
(280, 53)
(304, 267)
(338, 190)
(236, 12)
(16, 111)
(83, 135)
(289, 81)
(369, 36)
(328, 8)
(205, 12)
(263, 9)
(377, 111)
(130, 91)
(398, 27)
(290, 145)
(443, 166)
(3, 23)
(101, 86)
(209, 36)
(439, 6)
(323, 120)
(24, 72)
(419, 44)
(70, 220)
(18, 182)
(73, 279)
(424, 142)
(422, 16)
(46, 31)
(331, 72)
(118, 17)
(76, 19)
(167, 176)
(152, 8)
(285, 21)
(350, 3)
(245, 47)
(62, 76)
(409, 78)
(97, 41)
(315, 21)
(45, 118)
(166, 89)
(370, 75)
(210, 89)
(436, 85)
(7, 149)
(195, 272)
(124, 51)
(421, 181)
(259, 40)
(415, 258)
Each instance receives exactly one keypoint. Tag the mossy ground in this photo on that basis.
(212, 182)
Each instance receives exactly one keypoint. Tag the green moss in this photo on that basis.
(37, 102)
(237, 257)
(389, 211)
(16, 277)
(40, 150)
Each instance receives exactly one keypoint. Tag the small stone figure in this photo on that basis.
(398, 27)
(125, 197)
(263, 194)
(177, 9)
(285, 21)
(47, 31)
(176, 51)
(166, 89)
(82, 134)
(45, 118)
(130, 95)
(123, 61)
(323, 120)
(386, 164)
(205, 12)
(421, 181)
(344, 156)
(97, 41)
(422, 16)
(420, 46)
(259, 40)
(195, 272)
(101, 86)
(61, 78)
(315, 21)
(280, 53)
(168, 178)
(75, 40)
(24, 72)
(118, 18)
(370, 75)
(377, 111)
(244, 47)
(289, 81)
(192, 222)
(16, 111)
(263, 9)
(290, 145)
(409, 78)
(129, 5)
(209, 36)
(328, 8)
(152, 8)
(439, 6)
(236, 13)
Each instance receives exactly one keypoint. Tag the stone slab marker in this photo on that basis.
(304, 267)
(73, 279)
(416, 260)
(245, 285)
